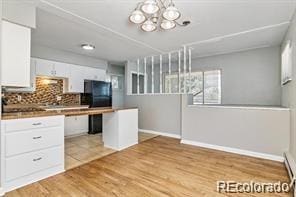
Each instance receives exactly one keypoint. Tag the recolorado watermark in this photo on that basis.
(253, 187)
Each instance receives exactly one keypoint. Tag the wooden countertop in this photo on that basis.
(70, 112)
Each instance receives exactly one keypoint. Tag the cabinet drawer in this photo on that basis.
(30, 163)
(32, 123)
(35, 139)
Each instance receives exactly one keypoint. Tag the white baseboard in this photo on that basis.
(161, 133)
(32, 178)
(235, 150)
(80, 134)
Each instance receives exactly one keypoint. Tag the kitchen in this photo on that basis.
(48, 101)
(156, 98)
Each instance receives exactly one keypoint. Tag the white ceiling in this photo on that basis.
(218, 26)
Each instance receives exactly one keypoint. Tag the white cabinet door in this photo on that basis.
(32, 87)
(33, 162)
(75, 125)
(31, 140)
(51, 68)
(35, 143)
(89, 73)
(61, 70)
(95, 74)
(44, 68)
(16, 50)
(76, 79)
(100, 74)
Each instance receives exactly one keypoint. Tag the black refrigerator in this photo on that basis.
(96, 94)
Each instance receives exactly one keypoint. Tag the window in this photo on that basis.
(205, 85)
(116, 81)
(286, 67)
(135, 83)
(212, 87)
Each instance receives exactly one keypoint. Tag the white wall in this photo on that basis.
(20, 12)
(67, 57)
(289, 90)
(1, 140)
(249, 77)
(259, 130)
(161, 113)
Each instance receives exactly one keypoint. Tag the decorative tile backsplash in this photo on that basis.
(45, 94)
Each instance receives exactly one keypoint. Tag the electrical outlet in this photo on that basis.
(19, 98)
(59, 98)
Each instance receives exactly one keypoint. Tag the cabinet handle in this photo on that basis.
(38, 137)
(37, 159)
(36, 124)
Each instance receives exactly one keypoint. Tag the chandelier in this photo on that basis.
(152, 14)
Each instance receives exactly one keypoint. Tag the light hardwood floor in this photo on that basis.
(158, 167)
(85, 148)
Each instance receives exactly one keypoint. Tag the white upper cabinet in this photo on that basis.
(32, 87)
(16, 47)
(51, 69)
(61, 70)
(44, 67)
(75, 82)
(95, 74)
(74, 75)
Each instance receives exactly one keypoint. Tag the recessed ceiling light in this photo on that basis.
(88, 47)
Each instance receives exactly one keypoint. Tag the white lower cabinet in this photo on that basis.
(33, 162)
(120, 129)
(31, 140)
(31, 149)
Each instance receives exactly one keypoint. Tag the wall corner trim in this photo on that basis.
(290, 164)
(161, 133)
(235, 150)
(2, 192)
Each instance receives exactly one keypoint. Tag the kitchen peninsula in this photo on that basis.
(39, 136)
(67, 112)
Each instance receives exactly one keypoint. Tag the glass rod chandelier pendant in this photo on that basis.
(152, 14)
